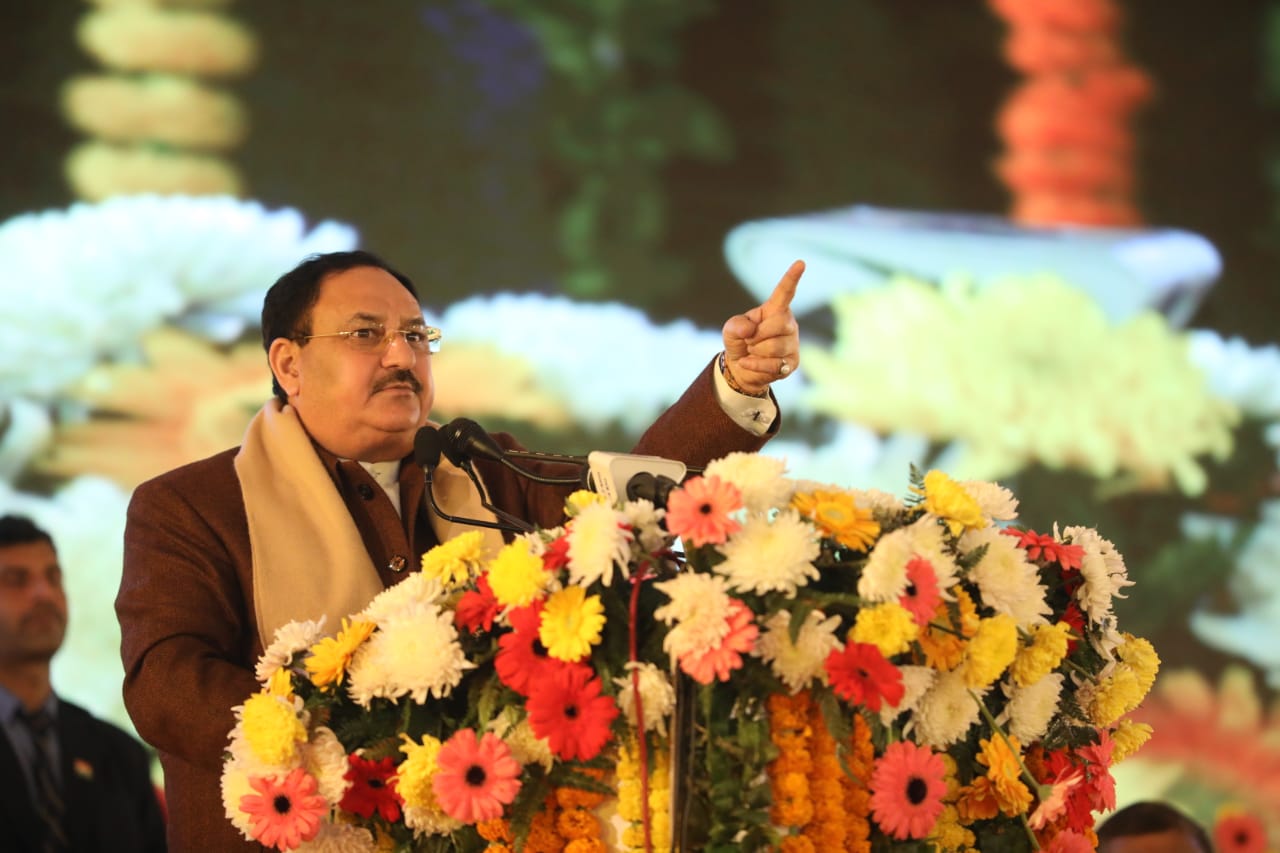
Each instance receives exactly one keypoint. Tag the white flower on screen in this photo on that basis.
(334, 837)
(1032, 708)
(916, 681)
(947, 710)
(646, 523)
(884, 577)
(759, 479)
(657, 696)
(325, 758)
(415, 652)
(416, 589)
(1007, 581)
(1102, 570)
(698, 612)
(771, 555)
(800, 663)
(290, 639)
(599, 542)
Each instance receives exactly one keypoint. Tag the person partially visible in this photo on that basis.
(68, 781)
(1152, 827)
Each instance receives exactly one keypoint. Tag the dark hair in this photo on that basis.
(286, 309)
(20, 530)
(1148, 817)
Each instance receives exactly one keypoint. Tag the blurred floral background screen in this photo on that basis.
(1041, 243)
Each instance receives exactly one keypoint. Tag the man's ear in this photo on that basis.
(283, 356)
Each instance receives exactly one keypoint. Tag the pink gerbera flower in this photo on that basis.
(1239, 832)
(862, 675)
(569, 711)
(921, 598)
(699, 511)
(475, 778)
(285, 813)
(371, 790)
(718, 662)
(907, 786)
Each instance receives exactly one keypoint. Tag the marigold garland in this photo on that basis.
(857, 795)
(828, 827)
(789, 773)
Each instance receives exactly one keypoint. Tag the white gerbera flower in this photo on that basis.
(759, 479)
(698, 612)
(884, 577)
(339, 838)
(415, 652)
(1102, 570)
(1007, 581)
(324, 757)
(798, 663)
(657, 696)
(995, 501)
(289, 639)
(768, 556)
(646, 522)
(1031, 708)
(417, 589)
(598, 542)
(916, 681)
(946, 711)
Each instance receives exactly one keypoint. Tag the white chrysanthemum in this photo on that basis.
(881, 504)
(759, 479)
(289, 639)
(406, 596)
(657, 696)
(339, 838)
(698, 613)
(916, 682)
(598, 543)
(1007, 582)
(526, 747)
(1032, 708)
(798, 663)
(427, 821)
(324, 757)
(415, 653)
(111, 271)
(946, 711)
(884, 577)
(771, 555)
(995, 501)
(235, 784)
(1102, 570)
(646, 523)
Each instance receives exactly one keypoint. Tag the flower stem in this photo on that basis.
(1017, 756)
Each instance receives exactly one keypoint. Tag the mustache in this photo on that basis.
(45, 610)
(399, 377)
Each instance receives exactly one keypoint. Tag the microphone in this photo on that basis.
(427, 447)
(654, 488)
(463, 440)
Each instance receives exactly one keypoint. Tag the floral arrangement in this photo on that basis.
(762, 663)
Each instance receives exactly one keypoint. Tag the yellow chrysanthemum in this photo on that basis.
(1042, 655)
(991, 650)
(1129, 737)
(516, 576)
(1141, 657)
(454, 562)
(838, 515)
(414, 775)
(889, 626)
(580, 500)
(948, 500)
(1115, 696)
(272, 728)
(571, 624)
(1004, 771)
(329, 658)
(281, 683)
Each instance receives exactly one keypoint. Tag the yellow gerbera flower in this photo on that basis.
(516, 576)
(838, 515)
(455, 561)
(948, 500)
(328, 660)
(272, 728)
(571, 624)
(580, 500)
(889, 626)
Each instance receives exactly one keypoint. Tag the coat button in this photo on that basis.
(397, 563)
(365, 491)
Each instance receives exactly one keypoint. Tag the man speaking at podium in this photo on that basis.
(323, 506)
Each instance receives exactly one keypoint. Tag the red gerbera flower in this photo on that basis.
(477, 608)
(699, 511)
(1239, 832)
(922, 597)
(522, 660)
(907, 786)
(475, 778)
(556, 556)
(569, 711)
(371, 789)
(1043, 546)
(285, 813)
(861, 675)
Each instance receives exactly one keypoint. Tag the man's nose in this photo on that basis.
(398, 353)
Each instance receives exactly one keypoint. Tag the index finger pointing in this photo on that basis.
(780, 299)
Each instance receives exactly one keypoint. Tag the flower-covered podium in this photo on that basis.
(818, 669)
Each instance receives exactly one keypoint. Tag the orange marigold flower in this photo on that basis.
(977, 801)
(796, 844)
(586, 845)
(497, 829)
(577, 823)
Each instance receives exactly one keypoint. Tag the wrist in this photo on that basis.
(733, 383)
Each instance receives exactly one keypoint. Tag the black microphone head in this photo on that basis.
(464, 438)
(427, 445)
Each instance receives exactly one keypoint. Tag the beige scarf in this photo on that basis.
(308, 558)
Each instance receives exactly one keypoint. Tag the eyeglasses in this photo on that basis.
(378, 338)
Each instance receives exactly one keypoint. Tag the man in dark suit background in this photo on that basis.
(68, 781)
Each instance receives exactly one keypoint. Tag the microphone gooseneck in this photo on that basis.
(464, 439)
